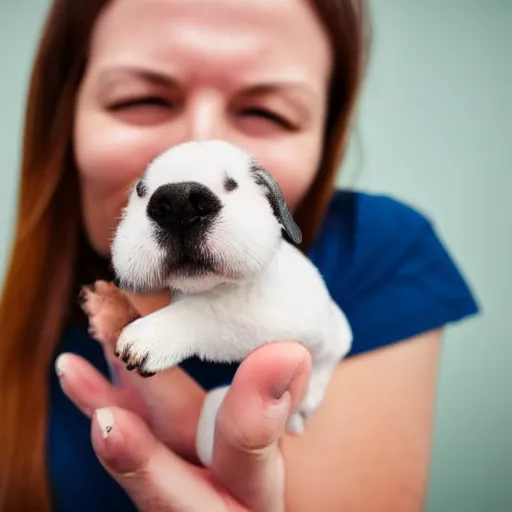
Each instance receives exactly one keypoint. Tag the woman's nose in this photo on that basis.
(206, 119)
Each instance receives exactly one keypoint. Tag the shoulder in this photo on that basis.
(389, 270)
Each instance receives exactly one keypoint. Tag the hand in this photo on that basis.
(149, 446)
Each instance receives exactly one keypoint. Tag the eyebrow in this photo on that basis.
(262, 89)
(162, 79)
(146, 74)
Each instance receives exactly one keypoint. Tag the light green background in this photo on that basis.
(435, 130)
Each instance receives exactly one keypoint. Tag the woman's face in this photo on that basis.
(160, 72)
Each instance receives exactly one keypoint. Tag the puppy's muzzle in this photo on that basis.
(182, 205)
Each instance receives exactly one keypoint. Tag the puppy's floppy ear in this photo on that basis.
(291, 230)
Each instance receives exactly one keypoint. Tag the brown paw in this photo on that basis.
(109, 311)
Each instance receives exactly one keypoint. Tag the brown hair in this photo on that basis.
(38, 286)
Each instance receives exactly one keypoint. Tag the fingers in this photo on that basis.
(174, 401)
(170, 402)
(173, 397)
(269, 384)
(89, 390)
(153, 476)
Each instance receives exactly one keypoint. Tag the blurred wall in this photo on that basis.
(434, 130)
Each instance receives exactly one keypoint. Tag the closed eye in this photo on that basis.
(270, 116)
(138, 102)
(145, 111)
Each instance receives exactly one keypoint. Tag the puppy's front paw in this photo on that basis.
(134, 349)
(135, 360)
(147, 347)
(108, 310)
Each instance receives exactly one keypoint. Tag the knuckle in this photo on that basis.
(244, 434)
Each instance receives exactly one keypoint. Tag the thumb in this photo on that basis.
(153, 476)
(267, 387)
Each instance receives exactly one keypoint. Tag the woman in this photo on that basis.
(115, 82)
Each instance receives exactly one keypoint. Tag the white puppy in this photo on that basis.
(207, 221)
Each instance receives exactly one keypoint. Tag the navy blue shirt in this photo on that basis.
(384, 265)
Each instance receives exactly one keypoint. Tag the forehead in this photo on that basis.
(208, 162)
(221, 40)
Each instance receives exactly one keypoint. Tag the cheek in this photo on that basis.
(109, 158)
(294, 165)
(295, 182)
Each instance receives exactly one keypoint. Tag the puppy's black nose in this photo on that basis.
(182, 204)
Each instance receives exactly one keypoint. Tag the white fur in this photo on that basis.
(243, 239)
(264, 289)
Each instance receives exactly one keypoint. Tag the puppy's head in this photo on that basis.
(203, 213)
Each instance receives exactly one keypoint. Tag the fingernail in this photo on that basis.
(60, 364)
(105, 420)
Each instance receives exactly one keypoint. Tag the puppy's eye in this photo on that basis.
(230, 184)
(141, 189)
